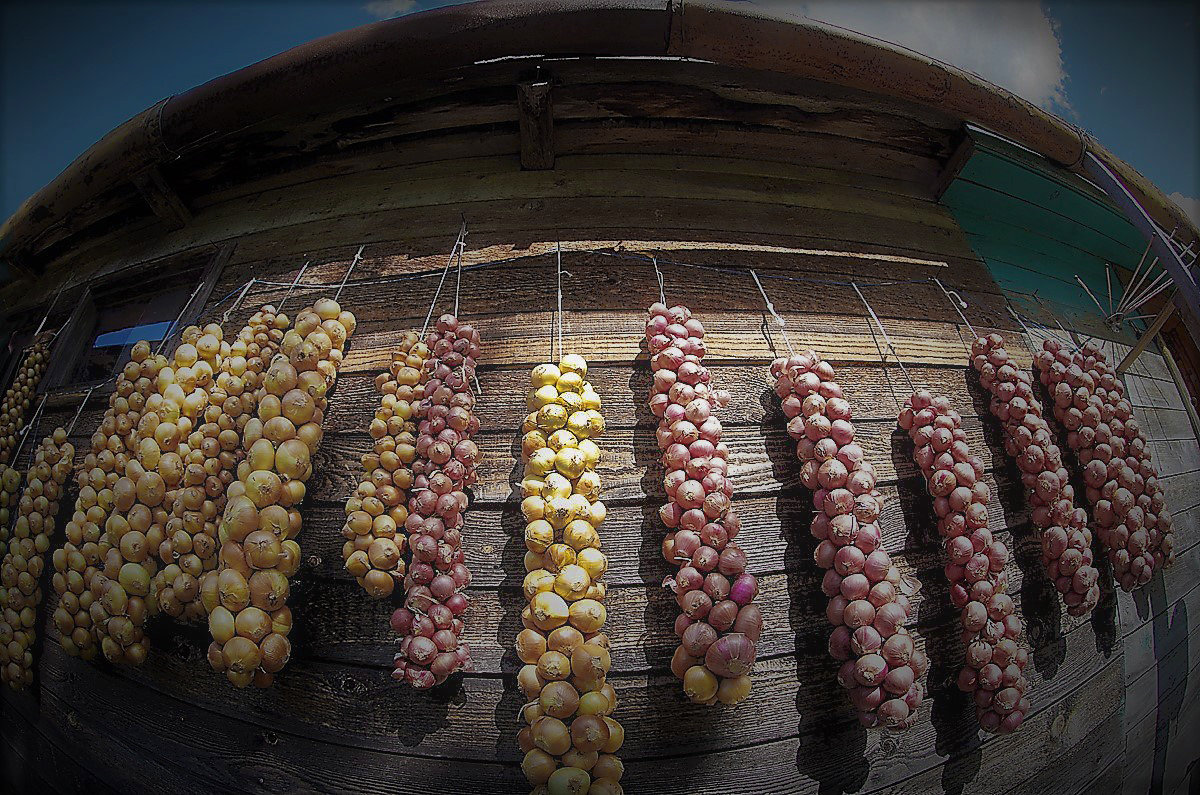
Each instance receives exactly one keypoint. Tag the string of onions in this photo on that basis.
(24, 561)
(186, 584)
(1129, 506)
(570, 739)
(143, 497)
(719, 626)
(1066, 541)
(87, 566)
(377, 511)
(19, 397)
(430, 622)
(881, 666)
(10, 486)
(991, 631)
(251, 621)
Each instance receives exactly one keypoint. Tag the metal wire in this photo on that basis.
(774, 314)
(25, 432)
(959, 305)
(559, 271)
(237, 303)
(171, 328)
(458, 243)
(79, 410)
(887, 340)
(458, 282)
(292, 286)
(357, 257)
(662, 295)
(49, 309)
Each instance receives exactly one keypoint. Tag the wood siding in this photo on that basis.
(702, 165)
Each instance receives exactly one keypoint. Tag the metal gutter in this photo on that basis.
(326, 73)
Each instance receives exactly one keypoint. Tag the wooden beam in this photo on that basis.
(954, 166)
(208, 280)
(536, 120)
(72, 342)
(162, 198)
(1184, 393)
(1144, 341)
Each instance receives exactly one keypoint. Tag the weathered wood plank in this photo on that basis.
(358, 707)
(1160, 749)
(524, 220)
(33, 762)
(630, 453)
(535, 115)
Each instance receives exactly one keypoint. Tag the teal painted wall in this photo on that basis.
(1037, 226)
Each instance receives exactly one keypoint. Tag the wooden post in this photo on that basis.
(536, 120)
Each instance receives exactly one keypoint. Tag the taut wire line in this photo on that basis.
(887, 340)
(774, 314)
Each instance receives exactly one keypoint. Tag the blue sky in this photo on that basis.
(70, 72)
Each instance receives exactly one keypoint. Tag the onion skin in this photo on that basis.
(19, 397)
(425, 455)
(990, 629)
(88, 562)
(372, 511)
(563, 640)
(309, 357)
(232, 397)
(1129, 507)
(866, 609)
(23, 561)
(1028, 441)
(695, 467)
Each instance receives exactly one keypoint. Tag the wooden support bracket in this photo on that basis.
(536, 120)
(162, 198)
(954, 166)
(1144, 341)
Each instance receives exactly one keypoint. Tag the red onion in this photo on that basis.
(731, 655)
(976, 562)
(859, 576)
(1111, 449)
(444, 467)
(712, 583)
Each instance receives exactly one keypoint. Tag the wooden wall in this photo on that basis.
(809, 169)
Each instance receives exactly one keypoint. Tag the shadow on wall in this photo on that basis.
(952, 712)
(1172, 666)
(1040, 605)
(832, 744)
(1104, 616)
(661, 721)
(507, 714)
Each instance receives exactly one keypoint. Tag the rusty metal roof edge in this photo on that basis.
(321, 72)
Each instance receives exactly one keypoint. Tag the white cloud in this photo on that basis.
(1189, 205)
(1012, 43)
(386, 9)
